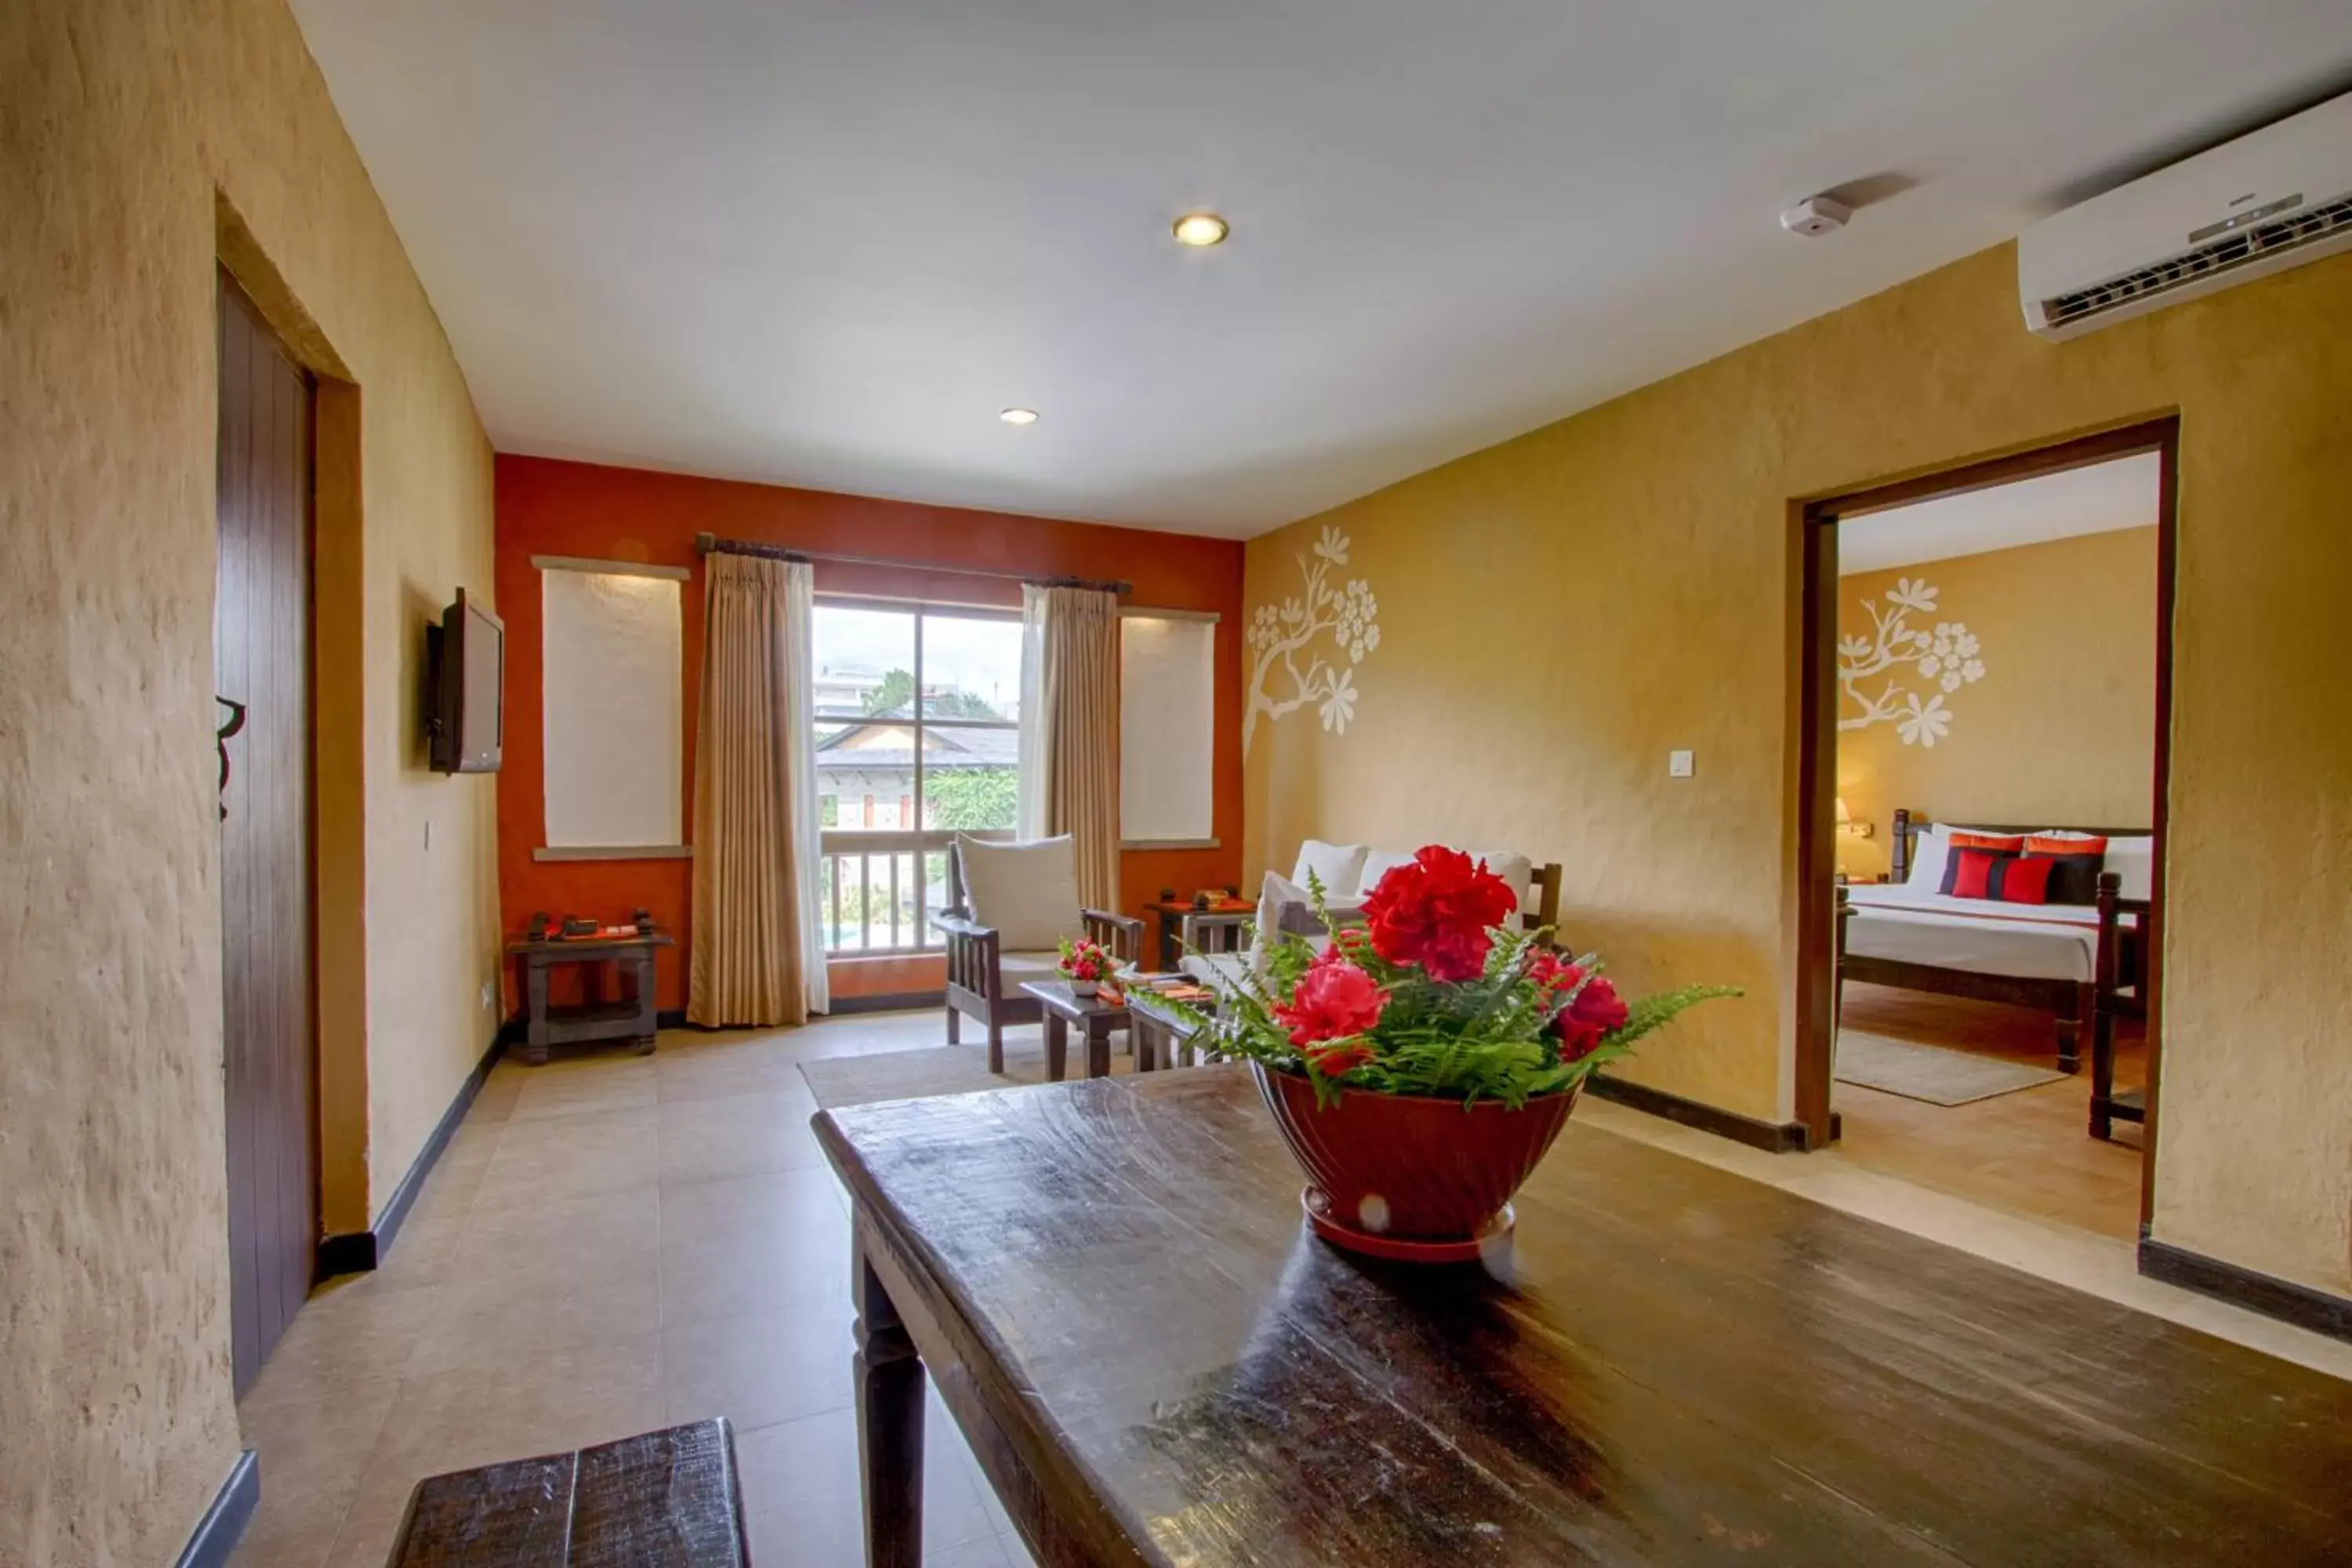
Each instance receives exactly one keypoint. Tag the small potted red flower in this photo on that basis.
(1085, 964)
(1420, 1065)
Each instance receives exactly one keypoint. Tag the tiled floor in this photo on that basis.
(616, 1243)
(610, 1244)
(2028, 1153)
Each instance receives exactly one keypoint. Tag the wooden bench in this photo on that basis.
(660, 1499)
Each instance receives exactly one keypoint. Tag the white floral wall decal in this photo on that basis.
(1279, 635)
(1945, 658)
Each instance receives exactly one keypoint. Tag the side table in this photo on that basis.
(1095, 1018)
(630, 1019)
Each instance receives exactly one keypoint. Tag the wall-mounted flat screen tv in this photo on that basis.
(468, 719)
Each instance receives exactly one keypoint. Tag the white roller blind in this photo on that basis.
(1166, 728)
(614, 695)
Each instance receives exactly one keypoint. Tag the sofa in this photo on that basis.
(1347, 872)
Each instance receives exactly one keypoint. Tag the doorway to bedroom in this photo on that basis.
(1986, 683)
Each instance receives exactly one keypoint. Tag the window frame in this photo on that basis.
(837, 843)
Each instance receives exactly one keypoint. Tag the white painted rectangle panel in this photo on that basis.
(1166, 728)
(614, 690)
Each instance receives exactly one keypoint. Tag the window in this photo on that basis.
(1167, 664)
(917, 738)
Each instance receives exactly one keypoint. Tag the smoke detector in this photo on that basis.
(1816, 215)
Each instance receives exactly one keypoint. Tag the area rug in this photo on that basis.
(837, 1081)
(1930, 1073)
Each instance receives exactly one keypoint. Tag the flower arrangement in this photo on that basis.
(1431, 998)
(1086, 963)
(1467, 1041)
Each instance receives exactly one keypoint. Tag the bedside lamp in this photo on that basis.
(1847, 826)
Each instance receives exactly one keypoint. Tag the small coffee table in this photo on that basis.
(1095, 1018)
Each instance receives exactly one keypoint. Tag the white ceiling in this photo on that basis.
(2096, 499)
(824, 242)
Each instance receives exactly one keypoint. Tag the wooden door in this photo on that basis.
(261, 652)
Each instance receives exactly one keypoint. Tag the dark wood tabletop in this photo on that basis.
(1155, 1363)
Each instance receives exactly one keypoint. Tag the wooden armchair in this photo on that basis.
(985, 969)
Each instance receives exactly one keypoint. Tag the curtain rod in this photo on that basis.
(711, 544)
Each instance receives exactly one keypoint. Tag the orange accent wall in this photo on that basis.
(547, 507)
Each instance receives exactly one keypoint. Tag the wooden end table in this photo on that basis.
(630, 1019)
(1211, 930)
(1162, 1039)
(1095, 1018)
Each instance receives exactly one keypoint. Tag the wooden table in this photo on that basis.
(1212, 931)
(630, 1017)
(1155, 1363)
(660, 1499)
(1160, 1037)
(1095, 1018)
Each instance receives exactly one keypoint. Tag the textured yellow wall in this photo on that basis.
(120, 121)
(1558, 611)
(2061, 728)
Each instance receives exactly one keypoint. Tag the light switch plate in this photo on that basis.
(1678, 764)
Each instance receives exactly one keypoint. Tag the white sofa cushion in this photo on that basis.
(1026, 893)
(1517, 870)
(1012, 968)
(1340, 865)
(1379, 863)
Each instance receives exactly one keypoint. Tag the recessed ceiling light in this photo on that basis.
(1019, 416)
(1201, 229)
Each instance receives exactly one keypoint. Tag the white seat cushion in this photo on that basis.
(1339, 867)
(1026, 893)
(1017, 967)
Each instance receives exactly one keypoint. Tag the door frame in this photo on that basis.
(1816, 793)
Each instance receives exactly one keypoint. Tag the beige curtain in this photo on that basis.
(748, 933)
(1078, 704)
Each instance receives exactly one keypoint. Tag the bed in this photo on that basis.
(1907, 933)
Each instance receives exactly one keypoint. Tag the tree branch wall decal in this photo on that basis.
(1278, 636)
(1945, 658)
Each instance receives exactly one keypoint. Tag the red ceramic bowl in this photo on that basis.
(1409, 1167)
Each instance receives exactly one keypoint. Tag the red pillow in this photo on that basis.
(2007, 843)
(2025, 881)
(2042, 843)
(1972, 873)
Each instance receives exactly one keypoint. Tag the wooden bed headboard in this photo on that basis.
(1908, 823)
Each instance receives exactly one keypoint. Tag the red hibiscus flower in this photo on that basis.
(1553, 975)
(1435, 912)
(1334, 1001)
(1581, 1024)
(1336, 1056)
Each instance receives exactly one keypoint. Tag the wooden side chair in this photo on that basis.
(1018, 902)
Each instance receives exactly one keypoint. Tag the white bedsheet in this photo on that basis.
(2036, 942)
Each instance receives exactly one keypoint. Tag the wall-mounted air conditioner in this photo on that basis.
(2275, 198)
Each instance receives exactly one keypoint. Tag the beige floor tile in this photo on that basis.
(752, 1244)
(743, 1135)
(801, 1498)
(544, 1245)
(549, 1159)
(762, 1370)
(557, 1399)
(601, 1082)
(353, 1330)
(311, 1452)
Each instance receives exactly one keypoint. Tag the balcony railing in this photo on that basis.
(879, 889)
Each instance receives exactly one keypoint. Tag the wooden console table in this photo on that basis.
(1671, 1364)
(629, 1018)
